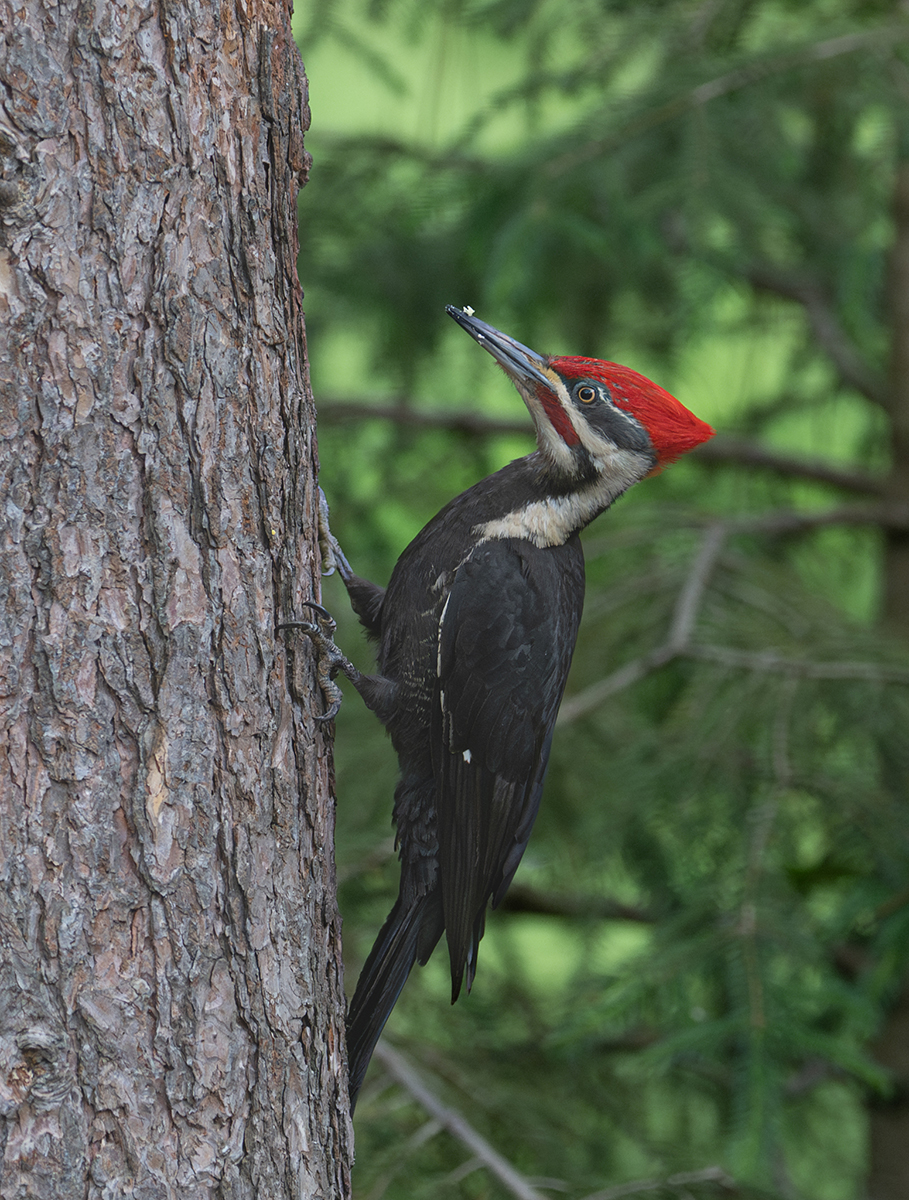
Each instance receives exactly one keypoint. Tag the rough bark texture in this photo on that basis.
(171, 1005)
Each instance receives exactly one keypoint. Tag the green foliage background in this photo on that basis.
(682, 186)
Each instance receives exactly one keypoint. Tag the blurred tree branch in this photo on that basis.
(740, 77)
(678, 1182)
(337, 411)
(681, 628)
(731, 450)
(769, 660)
(679, 639)
(450, 1119)
(828, 332)
(720, 450)
(522, 898)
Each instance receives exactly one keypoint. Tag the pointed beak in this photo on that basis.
(524, 366)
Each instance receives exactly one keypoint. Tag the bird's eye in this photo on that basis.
(587, 394)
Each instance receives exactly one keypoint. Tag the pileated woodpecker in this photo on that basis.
(475, 636)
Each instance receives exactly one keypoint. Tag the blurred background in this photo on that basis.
(699, 984)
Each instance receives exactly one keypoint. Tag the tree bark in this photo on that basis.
(888, 1116)
(171, 1003)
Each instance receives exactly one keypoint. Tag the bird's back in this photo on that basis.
(478, 637)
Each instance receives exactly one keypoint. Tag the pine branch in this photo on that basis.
(897, 901)
(510, 1178)
(769, 661)
(640, 1038)
(639, 1186)
(688, 605)
(593, 696)
(719, 450)
(828, 332)
(679, 639)
(338, 411)
(521, 898)
(681, 627)
(894, 515)
(426, 1131)
(740, 77)
(739, 452)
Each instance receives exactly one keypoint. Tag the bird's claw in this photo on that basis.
(330, 660)
(325, 622)
(333, 558)
(332, 692)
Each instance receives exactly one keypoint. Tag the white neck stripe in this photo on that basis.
(552, 520)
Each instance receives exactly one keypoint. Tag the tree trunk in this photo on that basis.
(888, 1175)
(888, 1117)
(171, 1004)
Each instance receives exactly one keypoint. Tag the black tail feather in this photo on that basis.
(384, 974)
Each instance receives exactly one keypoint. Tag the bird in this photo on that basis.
(475, 634)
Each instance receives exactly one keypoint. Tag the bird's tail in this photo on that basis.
(410, 932)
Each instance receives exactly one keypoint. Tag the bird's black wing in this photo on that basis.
(506, 636)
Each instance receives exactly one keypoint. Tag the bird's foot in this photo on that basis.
(330, 660)
(333, 558)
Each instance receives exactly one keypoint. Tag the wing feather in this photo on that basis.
(506, 637)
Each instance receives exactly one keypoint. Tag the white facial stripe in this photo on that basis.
(550, 522)
(599, 446)
(548, 439)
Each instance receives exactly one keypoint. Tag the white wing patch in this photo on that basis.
(466, 756)
(439, 643)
